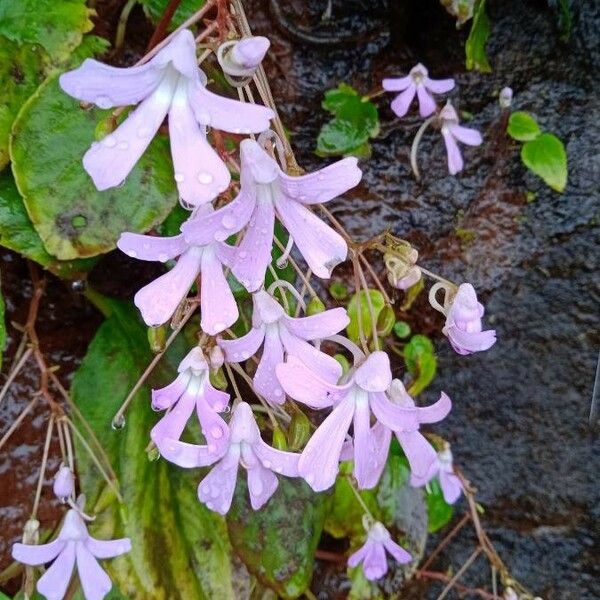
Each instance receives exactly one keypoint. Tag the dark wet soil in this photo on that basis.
(519, 426)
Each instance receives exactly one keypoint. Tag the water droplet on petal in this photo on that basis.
(179, 177)
(242, 254)
(221, 236)
(118, 423)
(205, 178)
(123, 145)
(226, 409)
(144, 132)
(110, 141)
(228, 221)
(220, 326)
(209, 505)
(245, 354)
(278, 392)
(162, 257)
(103, 102)
(132, 253)
(216, 432)
(267, 464)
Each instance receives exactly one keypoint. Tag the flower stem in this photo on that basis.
(415, 146)
(38, 491)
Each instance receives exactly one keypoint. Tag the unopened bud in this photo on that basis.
(279, 439)
(157, 338)
(216, 357)
(315, 306)
(505, 97)
(298, 431)
(385, 321)
(64, 483)
(31, 531)
(242, 57)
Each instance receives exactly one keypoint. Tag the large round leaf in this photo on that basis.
(74, 220)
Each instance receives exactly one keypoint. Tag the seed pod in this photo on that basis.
(298, 431)
(157, 338)
(385, 321)
(279, 440)
(315, 306)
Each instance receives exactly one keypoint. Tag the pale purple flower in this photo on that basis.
(353, 403)
(191, 390)
(281, 334)
(451, 485)
(171, 83)
(403, 273)
(267, 192)
(372, 553)
(73, 545)
(454, 133)
(416, 82)
(64, 483)
(241, 58)
(463, 322)
(158, 300)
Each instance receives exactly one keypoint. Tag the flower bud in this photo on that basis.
(216, 357)
(64, 483)
(298, 431)
(315, 306)
(157, 338)
(401, 266)
(242, 57)
(505, 97)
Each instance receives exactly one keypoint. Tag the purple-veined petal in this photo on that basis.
(262, 484)
(265, 379)
(319, 460)
(318, 326)
(151, 247)
(379, 445)
(94, 580)
(397, 418)
(435, 412)
(54, 582)
(375, 562)
(396, 84)
(165, 397)
(397, 551)
(418, 450)
(219, 224)
(254, 251)
(374, 375)
(218, 309)
(322, 185)
(466, 135)
(159, 299)
(216, 489)
(243, 348)
(186, 455)
(32, 554)
(227, 114)
(427, 104)
(357, 557)
(451, 486)
(214, 428)
(401, 103)
(279, 461)
(438, 86)
(321, 246)
(108, 548)
(455, 160)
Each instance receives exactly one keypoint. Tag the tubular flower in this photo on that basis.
(279, 334)
(191, 389)
(372, 553)
(442, 467)
(354, 402)
(171, 83)
(73, 545)
(416, 82)
(453, 133)
(158, 300)
(267, 192)
(463, 322)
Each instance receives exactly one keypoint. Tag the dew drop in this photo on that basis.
(220, 326)
(278, 469)
(118, 423)
(103, 102)
(110, 141)
(216, 432)
(245, 354)
(179, 177)
(205, 178)
(162, 257)
(132, 253)
(226, 409)
(123, 145)
(228, 222)
(146, 246)
(278, 392)
(242, 254)
(220, 236)
(209, 505)
(267, 464)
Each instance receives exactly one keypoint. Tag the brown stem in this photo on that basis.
(163, 24)
(462, 589)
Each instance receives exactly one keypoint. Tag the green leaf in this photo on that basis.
(522, 126)
(564, 17)
(359, 302)
(356, 121)
(439, 512)
(477, 40)
(421, 362)
(56, 25)
(278, 542)
(72, 217)
(17, 233)
(180, 549)
(401, 329)
(155, 9)
(547, 158)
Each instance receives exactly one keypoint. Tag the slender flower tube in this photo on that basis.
(372, 553)
(416, 82)
(74, 545)
(191, 389)
(158, 300)
(171, 83)
(451, 485)
(267, 192)
(280, 334)
(453, 133)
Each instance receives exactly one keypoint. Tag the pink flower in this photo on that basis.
(267, 192)
(463, 323)
(451, 485)
(353, 402)
(241, 58)
(73, 545)
(158, 300)
(192, 389)
(372, 553)
(453, 133)
(416, 82)
(171, 83)
(281, 334)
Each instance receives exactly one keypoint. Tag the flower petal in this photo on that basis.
(321, 246)
(435, 412)
(34, 554)
(108, 548)
(318, 326)
(401, 103)
(151, 247)
(262, 484)
(427, 104)
(375, 374)
(396, 84)
(216, 399)
(159, 299)
(397, 418)
(451, 486)
(362, 446)
(180, 54)
(242, 348)
(174, 422)
(455, 160)
(320, 458)
(465, 342)
(466, 135)
(54, 582)
(322, 185)
(375, 562)
(376, 454)
(218, 309)
(265, 379)
(397, 551)
(357, 557)
(165, 397)
(186, 455)
(438, 86)
(279, 461)
(93, 578)
(216, 489)
(418, 450)
(214, 428)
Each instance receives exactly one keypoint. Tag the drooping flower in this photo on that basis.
(282, 334)
(416, 82)
(247, 448)
(353, 402)
(240, 58)
(267, 192)
(372, 553)
(64, 483)
(463, 322)
(73, 545)
(453, 133)
(169, 83)
(191, 389)
(159, 299)
(403, 272)
(449, 482)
